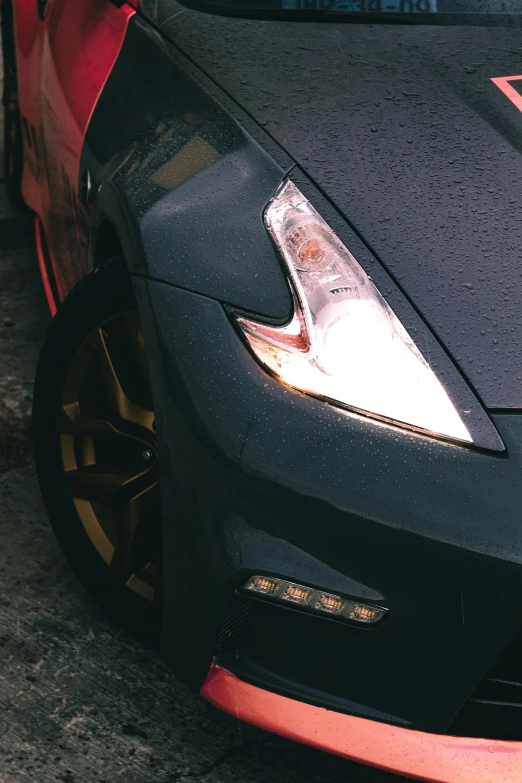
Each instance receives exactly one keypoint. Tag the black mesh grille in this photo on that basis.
(494, 710)
(234, 627)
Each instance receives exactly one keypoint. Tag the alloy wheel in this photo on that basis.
(109, 452)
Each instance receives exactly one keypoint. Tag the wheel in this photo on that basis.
(13, 142)
(95, 448)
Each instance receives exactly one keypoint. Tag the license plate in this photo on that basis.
(364, 6)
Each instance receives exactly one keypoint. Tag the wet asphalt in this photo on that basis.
(80, 700)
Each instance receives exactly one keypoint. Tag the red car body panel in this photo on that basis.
(434, 758)
(63, 63)
(47, 284)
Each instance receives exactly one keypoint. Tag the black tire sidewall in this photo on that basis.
(100, 295)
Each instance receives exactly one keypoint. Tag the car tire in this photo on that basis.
(13, 141)
(95, 448)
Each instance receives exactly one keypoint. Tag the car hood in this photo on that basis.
(408, 136)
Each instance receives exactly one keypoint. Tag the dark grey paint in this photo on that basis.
(183, 183)
(416, 520)
(186, 187)
(404, 131)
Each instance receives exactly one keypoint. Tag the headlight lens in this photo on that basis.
(344, 343)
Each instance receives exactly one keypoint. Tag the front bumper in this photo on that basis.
(261, 479)
(430, 757)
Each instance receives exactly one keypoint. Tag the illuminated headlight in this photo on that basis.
(344, 343)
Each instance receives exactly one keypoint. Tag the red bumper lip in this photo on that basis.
(429, 757)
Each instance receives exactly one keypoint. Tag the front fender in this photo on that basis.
(182, 182)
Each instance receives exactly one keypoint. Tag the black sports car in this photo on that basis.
(277, 414)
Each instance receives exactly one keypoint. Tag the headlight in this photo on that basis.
(344, 343)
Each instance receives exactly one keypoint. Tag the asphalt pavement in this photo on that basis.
(80, 700)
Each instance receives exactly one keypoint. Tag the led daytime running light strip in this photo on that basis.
(282, 591)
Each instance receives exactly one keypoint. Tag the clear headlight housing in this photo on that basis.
(344, 343)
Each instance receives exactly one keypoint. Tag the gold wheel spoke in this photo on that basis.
(133, 512)
(139, 504)
(109, 452)
(88, 483)
(131, 491)
(76, 423)
(122, 406)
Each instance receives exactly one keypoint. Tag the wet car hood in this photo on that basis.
(404, 131)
